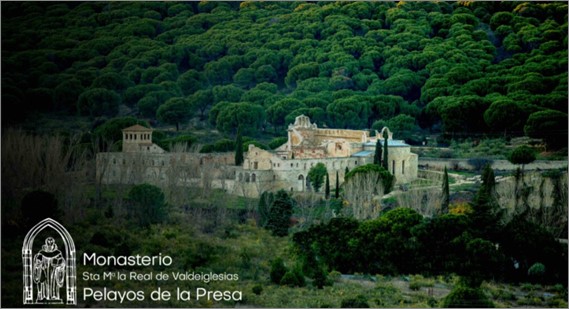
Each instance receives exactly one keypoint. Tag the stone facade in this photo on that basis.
(139, 139)
(286, 167)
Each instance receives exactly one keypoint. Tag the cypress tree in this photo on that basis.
(238, 148)
(487, 191)
(279, 215)
(337, 193)
(346, 172)
(327, 188)
(446, 193)
(378, 152)
(385, 155)
(487, 213)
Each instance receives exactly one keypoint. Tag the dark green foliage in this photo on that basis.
(385, 151)
(528, 243)
(98, 102)
(174, 111)
(445, 193)
(255, 143)
(249, 117)
(435, 239)
(38, 205)
(257, 289)
(277, 142)
(239, 148)
(536, 272)
(327, 187)
(343, 64)
(280, 213)
(505, 115)
(222, 145)
(148, 204)
(331, 243)
(550, 125)
(359, 301)
(316, 176)
(522, 155)
(378, 152)
(111, 131)
(183, 140)
(337, 189)
(383, 175)
(463, 296)
(293, 278)
(278, 270)
(487, 214)
(264, 207)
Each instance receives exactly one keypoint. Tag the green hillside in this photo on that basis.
(461, 68)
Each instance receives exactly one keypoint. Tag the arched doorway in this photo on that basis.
(300, 183)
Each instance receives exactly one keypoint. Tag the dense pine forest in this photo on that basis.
(475, 81)
(463, 68)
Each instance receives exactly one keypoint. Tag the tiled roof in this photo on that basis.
(137, 128)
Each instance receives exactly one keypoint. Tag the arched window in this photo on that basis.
(253, 177)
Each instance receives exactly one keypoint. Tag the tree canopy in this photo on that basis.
(465, 66)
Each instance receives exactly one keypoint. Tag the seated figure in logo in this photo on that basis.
(49, 272)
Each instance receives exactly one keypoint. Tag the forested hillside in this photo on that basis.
(464, 68)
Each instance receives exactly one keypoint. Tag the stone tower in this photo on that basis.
(139, 139)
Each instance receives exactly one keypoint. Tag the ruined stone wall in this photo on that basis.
(154, 168)
(402, 164)
(439, 164)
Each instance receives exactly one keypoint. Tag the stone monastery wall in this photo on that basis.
(285, 168)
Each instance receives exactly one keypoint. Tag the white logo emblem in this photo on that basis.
(50, 269)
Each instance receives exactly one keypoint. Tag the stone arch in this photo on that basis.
(389, 133)
(69, 252)
(301, 182)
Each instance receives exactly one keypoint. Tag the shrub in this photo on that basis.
(467, 297)
(359, 301)
(149, 204)
(417, 282)
(257, 289)
(278, 270)
(320, 278)
(277, 142)
(289, 279)
(536, 271)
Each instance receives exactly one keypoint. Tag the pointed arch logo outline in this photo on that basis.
(68, 253)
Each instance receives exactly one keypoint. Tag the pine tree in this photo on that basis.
(378, 152)
(385, 154)
(238, 148)
(337, 193)
(327, 188)
(445, 194)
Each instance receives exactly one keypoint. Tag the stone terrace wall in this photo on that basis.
(439, 164)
